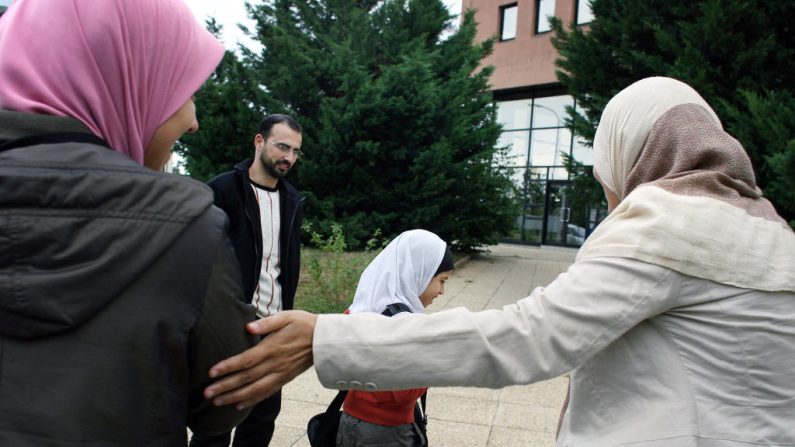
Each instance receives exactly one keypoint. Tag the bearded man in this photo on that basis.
(265, 215)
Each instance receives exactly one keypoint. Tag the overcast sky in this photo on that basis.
(231, 12)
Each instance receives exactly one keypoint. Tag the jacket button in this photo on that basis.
(370, 386)
(341, 384)
(356, 385)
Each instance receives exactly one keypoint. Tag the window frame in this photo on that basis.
(503, 9)
(576, 20)
(538, 17)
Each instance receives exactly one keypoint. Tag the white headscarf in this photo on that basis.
(400, 273)
(627, 121)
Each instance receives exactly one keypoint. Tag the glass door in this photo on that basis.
(563, 225)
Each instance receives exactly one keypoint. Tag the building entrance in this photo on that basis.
(553, 214)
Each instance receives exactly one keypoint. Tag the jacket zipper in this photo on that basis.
(292, 219)
(246, 187)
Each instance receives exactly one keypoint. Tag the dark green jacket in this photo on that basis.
(118, 290)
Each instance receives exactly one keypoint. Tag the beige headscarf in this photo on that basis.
(689, 199)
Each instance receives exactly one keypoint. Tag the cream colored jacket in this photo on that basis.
(657, 358)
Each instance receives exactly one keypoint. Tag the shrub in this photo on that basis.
(330, 274)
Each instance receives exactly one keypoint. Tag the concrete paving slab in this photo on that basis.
(513, 437)
(527, 417)
(298, 413)
(457, 434)
(471, 302)
(470, 410)
(483, 394)
(289, 436)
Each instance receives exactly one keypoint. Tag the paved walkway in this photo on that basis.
(521, 416)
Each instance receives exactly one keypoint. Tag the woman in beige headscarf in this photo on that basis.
(676, 322)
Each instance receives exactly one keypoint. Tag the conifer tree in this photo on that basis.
(739, 54)
(229, 107)
(399, 128)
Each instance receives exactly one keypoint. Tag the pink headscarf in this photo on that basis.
(121, 67)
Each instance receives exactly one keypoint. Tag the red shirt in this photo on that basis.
(388, 408)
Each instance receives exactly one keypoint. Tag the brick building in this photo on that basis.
(531, 107)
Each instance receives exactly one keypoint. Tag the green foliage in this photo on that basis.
(725, 49)
(768, 121)
(331, 274)
(229, 107)
(399, 128)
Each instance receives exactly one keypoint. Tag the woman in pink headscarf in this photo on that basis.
(119, 288)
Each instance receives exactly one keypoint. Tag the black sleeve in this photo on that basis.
(216, 184)
(219, 334)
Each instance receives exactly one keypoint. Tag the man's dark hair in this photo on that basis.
(269, 121)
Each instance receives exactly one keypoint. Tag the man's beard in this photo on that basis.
(270, 167)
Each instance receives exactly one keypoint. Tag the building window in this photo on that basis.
(544, 10)
(535, 133)
(584, 13)
(580, 150)
(514, 116)
(536, 141)
(549, 137)
(508, 16)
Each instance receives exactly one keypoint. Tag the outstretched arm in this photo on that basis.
(258, 372)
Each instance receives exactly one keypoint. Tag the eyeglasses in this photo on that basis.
(286, 148)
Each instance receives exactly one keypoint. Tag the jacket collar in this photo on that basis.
(17, 125)
(283, 186)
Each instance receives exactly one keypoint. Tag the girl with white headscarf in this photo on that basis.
(402, 273)
(405, 277)
(676, 323)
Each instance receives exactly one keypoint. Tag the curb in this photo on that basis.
(458, 264)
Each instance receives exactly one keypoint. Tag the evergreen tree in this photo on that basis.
(229, 107)
(738, 54)
(398, 131)
(768, 121)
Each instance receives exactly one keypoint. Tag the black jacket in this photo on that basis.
(118, 291)
(233, 194)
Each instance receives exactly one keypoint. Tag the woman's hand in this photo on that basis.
(260, 371)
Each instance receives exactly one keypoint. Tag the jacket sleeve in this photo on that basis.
(544, 335)
(217, 185)
(219, 334)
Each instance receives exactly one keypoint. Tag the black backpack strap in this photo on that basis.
(54, 138)
(336, 404)
(422, 407)
(395, 308)
(421, 420)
